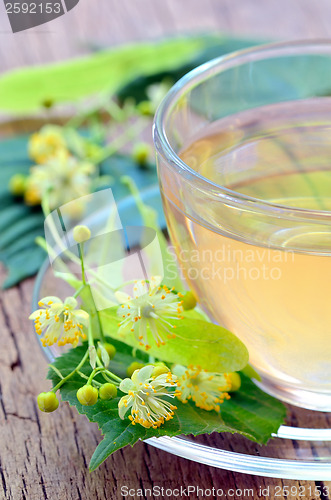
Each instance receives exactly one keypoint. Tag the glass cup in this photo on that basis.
(244, 160)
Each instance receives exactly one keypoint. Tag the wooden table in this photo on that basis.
(46, 456)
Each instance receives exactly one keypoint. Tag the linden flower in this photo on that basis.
(157, 91)
(144, 397)
(208, 390)
(60, 322)
(46, 143)
(62, 177)
(152, 305)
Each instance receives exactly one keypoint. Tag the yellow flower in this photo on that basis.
(46, 143)
(60, 322)
(153, 306)
(208, 390)
(145, 395)
(63, 177)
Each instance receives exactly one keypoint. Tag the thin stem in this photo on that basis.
(81, 374)
(89, 380)
(90, 336)
(45, 204)
(80, 289)
(96, 313)
(107, 379)
(113, 376)
(57, 239)
(56, 371)
(78, 367)
(108, 373)
(120, 141)
(102, 336)
(81, 256)
(110, 380)
(115, 111)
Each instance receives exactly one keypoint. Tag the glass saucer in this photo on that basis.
(300, 450)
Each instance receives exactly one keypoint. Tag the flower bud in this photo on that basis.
(87, 395)
(32, 196)
(108, 391)
(141, 153)
(235, 380)
(189, 301)
(111, 350)
(17, 184)
(160, 370)
(81, 233)
(48, 103)
(145, 108)
(133, 367)
(47, 401)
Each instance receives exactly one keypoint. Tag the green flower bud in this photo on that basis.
(133, 367)
(108, 391)
(87, 395)
(189, 301)
(47, 402)
(159, 370)
(48, 103)
(141, 153)
(235, 380)
(17, 184)
(111, 350)
(92, 151)
(145, 108)
(81, 233)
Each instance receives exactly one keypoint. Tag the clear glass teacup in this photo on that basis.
(244, 159)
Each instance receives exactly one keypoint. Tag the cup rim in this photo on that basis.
(192, 79)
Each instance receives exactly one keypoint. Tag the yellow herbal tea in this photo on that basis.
(268, 283)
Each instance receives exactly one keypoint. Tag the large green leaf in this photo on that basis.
(27, 89)
(197, 342)
(249, 412)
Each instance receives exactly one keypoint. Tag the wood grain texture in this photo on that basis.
(111, 22)
(46, 456)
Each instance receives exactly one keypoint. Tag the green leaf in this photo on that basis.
(245, 412)
(25, 90)
(23, 264)
(249, 412)
(197, 342)
(20, 228)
